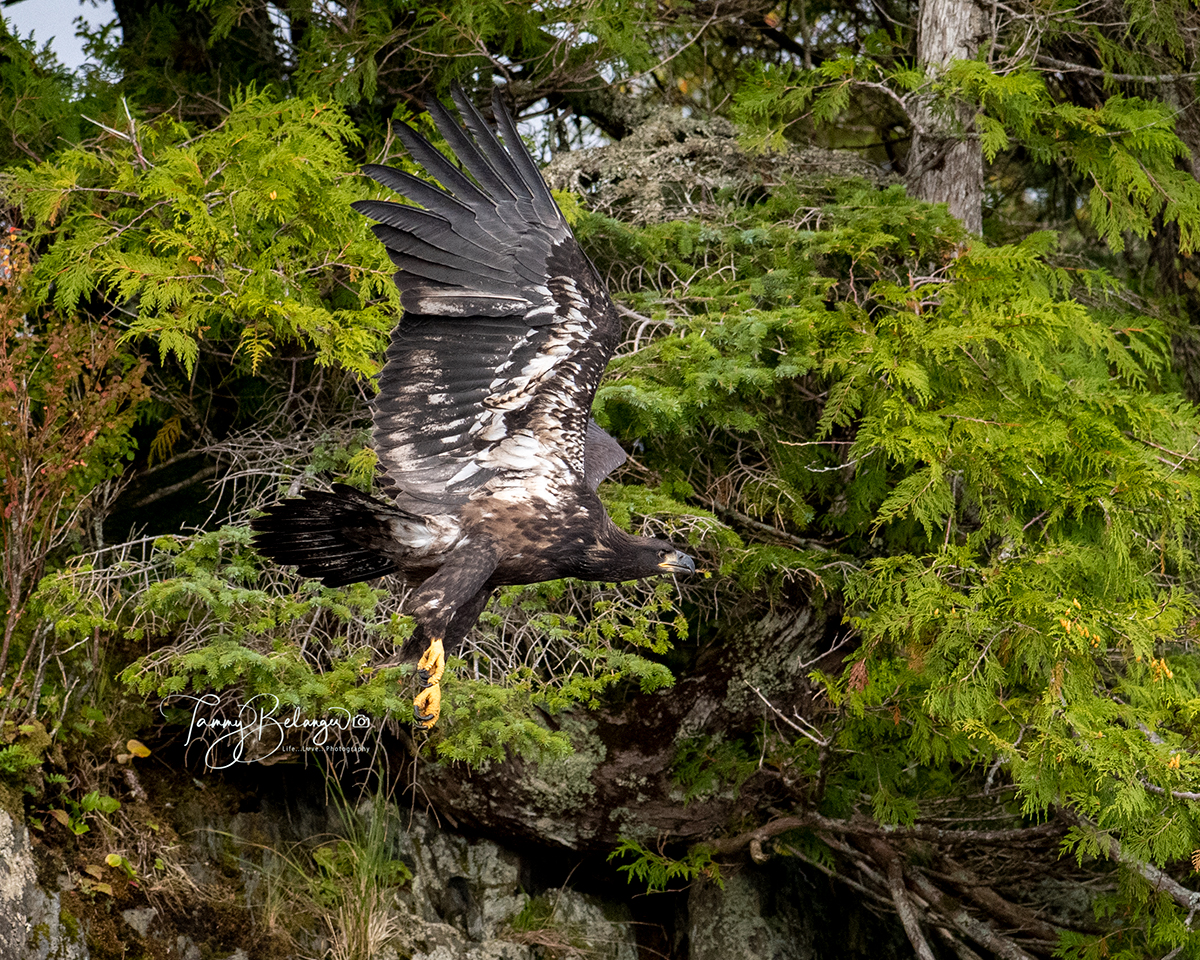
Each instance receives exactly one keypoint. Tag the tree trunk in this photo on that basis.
(946, 161)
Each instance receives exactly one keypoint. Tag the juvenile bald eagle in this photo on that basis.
(482, 427)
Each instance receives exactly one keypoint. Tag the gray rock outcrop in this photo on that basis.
(33, 924)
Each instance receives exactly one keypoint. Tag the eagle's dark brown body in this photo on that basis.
(490, 461)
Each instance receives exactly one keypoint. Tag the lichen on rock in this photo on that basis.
(32, 924)
(674, 166)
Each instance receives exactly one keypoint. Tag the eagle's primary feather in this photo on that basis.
(489, 458)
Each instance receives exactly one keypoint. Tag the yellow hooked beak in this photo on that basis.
(676, 562)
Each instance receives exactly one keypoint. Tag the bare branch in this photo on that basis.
(964, 952)
(958, 917)
(904, 905)
(738, 517)
(161, 492)
(1158, 879)
(1173, 794)
(1064, 67)
(868, 828)
(987, 898)
(818, 740)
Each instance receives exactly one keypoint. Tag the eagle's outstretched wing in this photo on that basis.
(507, 327)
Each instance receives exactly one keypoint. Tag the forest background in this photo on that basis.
(911, 365)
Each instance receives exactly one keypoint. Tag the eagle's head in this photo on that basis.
(659, 557)
(618, 556)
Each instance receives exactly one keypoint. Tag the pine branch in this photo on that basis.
(1157, 878)
(1173, 794)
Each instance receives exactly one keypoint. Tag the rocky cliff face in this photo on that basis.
(33, 923)
(458, 898)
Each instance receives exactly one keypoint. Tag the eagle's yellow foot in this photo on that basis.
(428, 703)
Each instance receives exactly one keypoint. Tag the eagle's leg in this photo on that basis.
(441, 633)
(432, 664)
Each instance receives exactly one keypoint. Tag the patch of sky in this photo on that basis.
(59, 23)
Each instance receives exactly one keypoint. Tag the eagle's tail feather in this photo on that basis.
(330, 536)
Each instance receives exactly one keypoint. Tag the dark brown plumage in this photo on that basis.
(482, 429)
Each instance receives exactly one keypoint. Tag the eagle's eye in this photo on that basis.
(662, 554)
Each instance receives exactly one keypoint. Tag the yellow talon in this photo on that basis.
(428, 703)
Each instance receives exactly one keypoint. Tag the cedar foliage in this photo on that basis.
(243, 234)
(1015, 491)
(977, 448)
